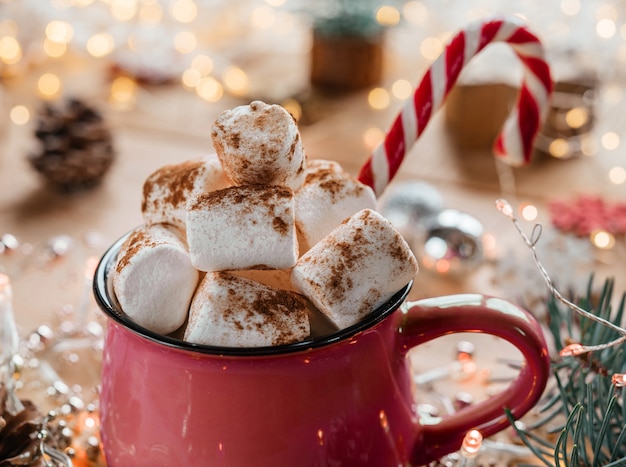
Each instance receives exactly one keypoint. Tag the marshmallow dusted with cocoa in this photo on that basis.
(243, 217)
(327, 197)
(242, 227)
(154, 279)
(259, 144)
(356, 268)
(232, 311)
(166, 190)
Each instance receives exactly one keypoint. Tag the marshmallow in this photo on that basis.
(314, 165)
(259, 144)
(328, 197)
(354, 269)
(166, 191)
(154, 279)
(242, 227)
(232, 311)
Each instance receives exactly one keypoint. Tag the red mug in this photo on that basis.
(341, 400)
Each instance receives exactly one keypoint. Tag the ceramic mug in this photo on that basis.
(341, 400)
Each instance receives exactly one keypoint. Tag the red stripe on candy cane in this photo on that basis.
(513, 144)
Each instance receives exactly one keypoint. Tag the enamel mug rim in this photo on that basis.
(109, 305)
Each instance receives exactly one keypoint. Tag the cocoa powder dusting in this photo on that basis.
(179, 179)
(271, 311)
(280, 226)
(137, 241)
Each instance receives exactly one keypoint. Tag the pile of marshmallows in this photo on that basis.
(245, 247)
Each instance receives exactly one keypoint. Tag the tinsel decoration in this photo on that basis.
(76, 147)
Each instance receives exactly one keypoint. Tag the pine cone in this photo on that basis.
(19, 445)
(76, 146)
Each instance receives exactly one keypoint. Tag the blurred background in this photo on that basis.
(97, 94)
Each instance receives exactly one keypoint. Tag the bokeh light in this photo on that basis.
(372, 138)
(378, 98)
(184, 11)
(602, 239)
(49, 85)
(570, 7)
(617, 175)
(577, 117)
(559, 148)
(415, 12)
(387, 15)
(209, 89)
(610, 140)
(59, 31)
(20, 115)
(123, 93)
(431, 48)
(100, 44)
(402, 89)
(185, 42)
(10, 50)
(235, 80)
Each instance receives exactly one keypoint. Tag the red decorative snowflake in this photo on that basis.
(587, 213)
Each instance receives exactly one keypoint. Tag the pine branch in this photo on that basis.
(590, 407)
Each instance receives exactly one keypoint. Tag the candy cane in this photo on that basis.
(513, 144)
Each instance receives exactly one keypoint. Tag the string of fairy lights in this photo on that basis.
(191, 41)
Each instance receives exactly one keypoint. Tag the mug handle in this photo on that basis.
(427, 319)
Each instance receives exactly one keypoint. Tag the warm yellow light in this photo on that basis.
(378, 98)
(235, 80)
(210, 89)
(588, 146)
(559, 148)
(293, 107)
(577, 117)
(100, 44)
(610, 140)
(82, 3)
(387, 15)
(203, 64)
(275, 2)
(124, 10)
(570, 7)
(373, 137)
(528, 212)
(19, 115)
(184, 11)
(263, 17)
(603, 239)
(191, 77)
(402, 89)
(431, 48)
(59, 31)
(150, 13)
(123, 93)
(617, 175)
(49, 85)
(54, 49)
(415, 12)
(10, 50)
(605, 28)
(185, 42)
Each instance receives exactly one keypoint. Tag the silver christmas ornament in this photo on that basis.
(450, 242)
(407, 204)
